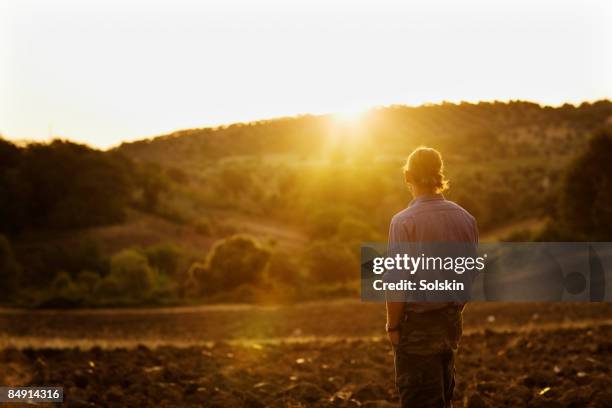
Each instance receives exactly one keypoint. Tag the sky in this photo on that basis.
(101, 72)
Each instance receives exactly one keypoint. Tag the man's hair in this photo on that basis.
(424, 168)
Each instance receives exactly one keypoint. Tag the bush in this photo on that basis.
(283, 269)
(62, 282)
(197, 275)
(552, 232)
(330, 261)
(165, 258)
(235, 261)
(64, 293)
(62, 185)
(586, 196)
(9, 270)
(132, 272)
(87, 281)
(41, 260)
(106, 289)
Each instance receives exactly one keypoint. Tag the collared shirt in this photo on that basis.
(431, 219)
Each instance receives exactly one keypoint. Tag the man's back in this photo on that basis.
(432, 218)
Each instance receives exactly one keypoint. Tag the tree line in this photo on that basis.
(50, 190)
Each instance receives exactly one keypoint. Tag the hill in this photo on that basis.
(521, 127)
(282, 204)
(289, 167)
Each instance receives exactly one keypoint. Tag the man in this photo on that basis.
(425, 335)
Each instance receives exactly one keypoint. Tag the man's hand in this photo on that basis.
(395, 311)
(394, 337)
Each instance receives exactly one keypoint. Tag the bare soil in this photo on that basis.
(317, 354)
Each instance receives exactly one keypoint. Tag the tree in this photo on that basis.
(61, 185)
(235, 261)
(131, 270)
(87, 281)
(74, 186)
(197, 275)
(9, 270)
(586, 195)
(64, 293)
(330, 261)
(152, 183)
(14, 193)
(166, 258)
(282, 268)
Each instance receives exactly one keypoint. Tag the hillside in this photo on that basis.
(520, 127)
(280, 168)
(171, 219)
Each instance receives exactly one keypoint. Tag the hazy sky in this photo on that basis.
(105, 71)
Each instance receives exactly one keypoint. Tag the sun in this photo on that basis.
(346, 127)
(348, 116)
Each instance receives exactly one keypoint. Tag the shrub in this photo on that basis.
(68, 185)
(108, 288)
(87, 281)
(235, 261)
(64, 293)
(196, 276)
(132, 272)
(586, 196)
(9, 270)
(283, 269)
(330, 261)
(62, 282)
(165, 258)
(41, 260)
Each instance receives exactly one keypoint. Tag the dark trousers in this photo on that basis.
(425, 381)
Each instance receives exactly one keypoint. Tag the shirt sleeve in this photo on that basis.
(398, 238)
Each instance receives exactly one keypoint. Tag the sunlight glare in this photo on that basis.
(88, 71)
(348, 117)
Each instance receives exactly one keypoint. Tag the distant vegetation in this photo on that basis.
(61, 185)
(275, 210)
(584, 208)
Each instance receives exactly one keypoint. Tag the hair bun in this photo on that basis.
(424, 167)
